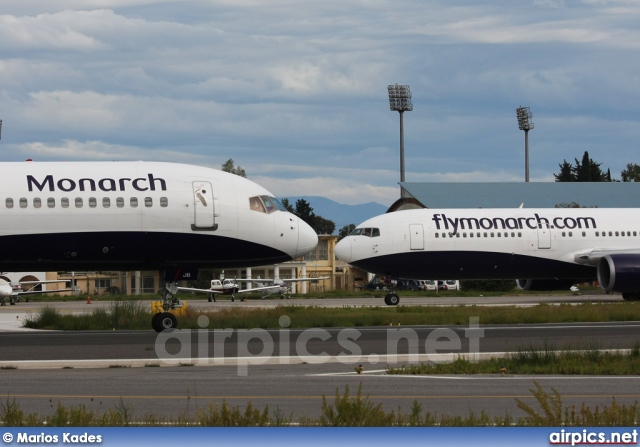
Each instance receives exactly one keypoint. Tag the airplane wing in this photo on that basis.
(190, 289)
(592, 257)
(39, 292)
(304, 279)
(255, 280)
(258, 289)
(283, 280)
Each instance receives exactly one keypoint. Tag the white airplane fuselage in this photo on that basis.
(558, 243)
(139, 215)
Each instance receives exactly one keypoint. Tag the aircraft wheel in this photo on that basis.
(154, 322)
(164, 320)
(210, 299)
(391, 299)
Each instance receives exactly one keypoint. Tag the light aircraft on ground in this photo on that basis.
(15, 291)
(552, 248)
(218, 287)
(170, 217)
(266, 286)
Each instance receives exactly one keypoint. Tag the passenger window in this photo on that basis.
(9, 203)
(106, 202)
(164, 202)
(133, 202)
(92, 202)
(23, 202)
(51, 202)
(78, 202)
(37, 203)
(64, 202)
(120, 202)
(148, 202)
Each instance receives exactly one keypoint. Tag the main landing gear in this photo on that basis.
(165, 319)
(391, 299)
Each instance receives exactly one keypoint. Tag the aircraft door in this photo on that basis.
(544, 236)
(203, 205)
(416, 235)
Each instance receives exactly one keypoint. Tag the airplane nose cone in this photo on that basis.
(343, 250)
(307, 239)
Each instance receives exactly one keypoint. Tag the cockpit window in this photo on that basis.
(256, 204)
(369, 232)
(269, 204)
(278, 204)
(265, 204)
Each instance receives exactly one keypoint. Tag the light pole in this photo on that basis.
(525, 122)
(400, 101)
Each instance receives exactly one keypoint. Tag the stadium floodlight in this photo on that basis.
(400, 101)
(525, 122)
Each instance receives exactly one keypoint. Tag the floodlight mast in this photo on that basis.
(400, 101)
(525, 122)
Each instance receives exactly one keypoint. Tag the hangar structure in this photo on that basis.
(516, 195)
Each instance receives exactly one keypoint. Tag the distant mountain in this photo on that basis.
(340, 213)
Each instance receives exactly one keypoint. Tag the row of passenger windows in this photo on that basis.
(79, 202)
(478, 234)
(519, 234)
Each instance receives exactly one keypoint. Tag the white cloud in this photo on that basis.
(296, 93)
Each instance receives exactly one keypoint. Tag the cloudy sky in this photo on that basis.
(295, 91)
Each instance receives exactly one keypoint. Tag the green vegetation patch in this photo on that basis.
(547, 361)
(132, 315)
(346, 411)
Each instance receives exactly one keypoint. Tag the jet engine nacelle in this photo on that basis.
(544, 284)
(620, 273)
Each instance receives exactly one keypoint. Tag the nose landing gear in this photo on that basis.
(163, 320)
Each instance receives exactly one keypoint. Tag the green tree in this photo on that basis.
(566, 173)
(323, 226)
(287, 205)
(229, 167)
(585, 170)
(631, 173)
(305, 212)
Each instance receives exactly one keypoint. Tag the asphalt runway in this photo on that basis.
(183, 372)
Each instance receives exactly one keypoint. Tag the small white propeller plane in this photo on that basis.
(218, 287)
(15, 291)
(282, 286)
(267, 287)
